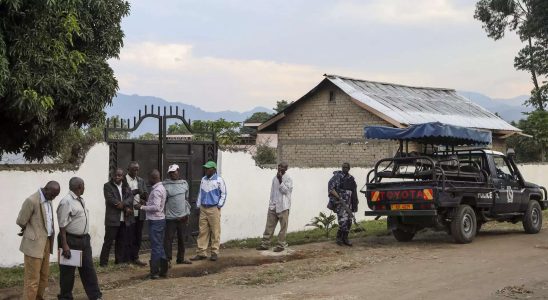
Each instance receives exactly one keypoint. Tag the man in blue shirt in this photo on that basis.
(211, 199)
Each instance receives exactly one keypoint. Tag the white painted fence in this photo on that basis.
(244, 214)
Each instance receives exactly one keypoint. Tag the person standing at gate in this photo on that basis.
(177, 214)
(139, 191)
(73, 217)
(156, 219)
(211, 198)
(37, 229)
(278, 209)
(118, 217)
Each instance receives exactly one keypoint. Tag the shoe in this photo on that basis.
(213, 257)
(184, 262)
(262, 247)
(339, 238)
(278, 249)
(164, 264)
(154, 269)
(198, 257)
(139, 263)
(345, 239)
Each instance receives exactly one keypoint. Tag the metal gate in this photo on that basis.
(190, 153)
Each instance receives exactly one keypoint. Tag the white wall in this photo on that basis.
(16, 186)
(244, 214)
(248, 189)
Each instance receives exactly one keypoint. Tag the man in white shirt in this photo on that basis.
(139, 190)
(278, 209)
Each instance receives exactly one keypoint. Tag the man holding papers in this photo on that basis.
(73, 217)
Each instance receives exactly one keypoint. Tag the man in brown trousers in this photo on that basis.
(37, 229)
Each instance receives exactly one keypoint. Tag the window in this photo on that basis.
(503, 168)
(331, 96)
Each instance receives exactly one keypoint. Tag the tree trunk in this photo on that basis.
(537, 100)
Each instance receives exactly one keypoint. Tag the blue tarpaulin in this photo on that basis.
(431, 133)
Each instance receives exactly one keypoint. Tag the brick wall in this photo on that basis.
(321, 132)
(498, 145)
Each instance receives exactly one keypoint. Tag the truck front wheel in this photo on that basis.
(532, 220)
(464, 224)
(402, 235)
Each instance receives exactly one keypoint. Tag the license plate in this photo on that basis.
(401, 206)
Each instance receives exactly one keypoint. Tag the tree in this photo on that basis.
(281, 105)
(531, 149)
(227, 132)
(54, 74)
(177, 128)
(148, 136)
(265, 155)
(528, 19)
(258, 117)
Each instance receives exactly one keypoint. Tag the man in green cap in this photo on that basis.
(211, 199)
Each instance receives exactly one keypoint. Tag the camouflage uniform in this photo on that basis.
(345, 186)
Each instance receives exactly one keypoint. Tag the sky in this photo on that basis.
(237, 55)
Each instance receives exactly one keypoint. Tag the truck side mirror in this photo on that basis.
(510, 153)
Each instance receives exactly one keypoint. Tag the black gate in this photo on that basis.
(189, 151)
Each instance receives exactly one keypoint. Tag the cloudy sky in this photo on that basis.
(236, 54)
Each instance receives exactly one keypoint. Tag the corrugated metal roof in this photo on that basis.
(414, 105)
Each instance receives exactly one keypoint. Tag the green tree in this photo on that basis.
(258, 117)
(148, 136)
(528, 19)
(227, 132)
(265, 155)
(531, 149)
(177, 128)
(281, 105)
(54, 74)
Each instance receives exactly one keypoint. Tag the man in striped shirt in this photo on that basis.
(211, 199)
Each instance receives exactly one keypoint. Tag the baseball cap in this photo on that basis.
(210, 165)
(173, 168)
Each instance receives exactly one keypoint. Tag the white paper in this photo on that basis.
(75, 259)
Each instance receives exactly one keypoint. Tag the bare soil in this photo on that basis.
(502, 263)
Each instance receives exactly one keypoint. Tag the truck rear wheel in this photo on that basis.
(532, 220)
(464, 224)
(402, 235)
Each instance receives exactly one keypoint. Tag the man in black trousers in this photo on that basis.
(140, 193)
(73, 218)
(118, 218)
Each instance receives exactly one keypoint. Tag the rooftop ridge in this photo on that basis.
(388, 83)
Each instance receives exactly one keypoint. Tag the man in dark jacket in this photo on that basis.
(343, 199)
(140, 193)
(118, 218)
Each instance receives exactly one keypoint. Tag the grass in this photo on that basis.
(373, 228)
(10, 277)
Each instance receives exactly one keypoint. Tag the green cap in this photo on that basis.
(210, 165)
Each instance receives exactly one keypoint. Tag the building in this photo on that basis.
(325, 127)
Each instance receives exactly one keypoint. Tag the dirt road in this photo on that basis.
(502, 263)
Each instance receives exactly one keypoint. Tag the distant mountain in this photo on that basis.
(128, 106)
(510, 109)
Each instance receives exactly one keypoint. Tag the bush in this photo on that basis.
(265, 155)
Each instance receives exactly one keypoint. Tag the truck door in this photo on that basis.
(508, 195)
